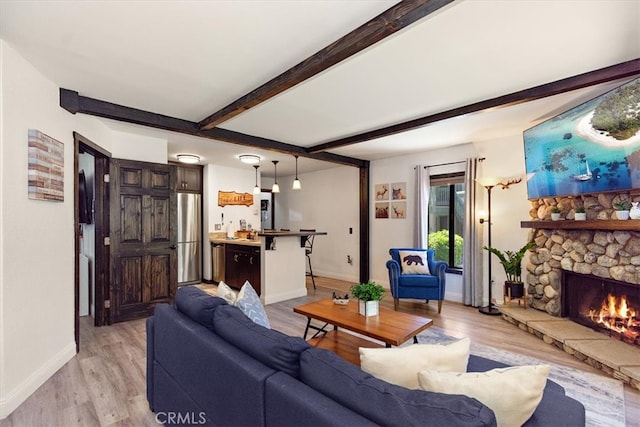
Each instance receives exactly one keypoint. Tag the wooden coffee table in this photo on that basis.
(389, 326)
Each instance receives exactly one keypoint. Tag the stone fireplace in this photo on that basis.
(600, 247)
(603, 254)
(608, 306)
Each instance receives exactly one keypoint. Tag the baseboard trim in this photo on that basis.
(22, 392)
(283, 296)
(333, 275)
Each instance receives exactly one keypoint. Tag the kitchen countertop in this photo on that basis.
(291, 233)
(226, 241)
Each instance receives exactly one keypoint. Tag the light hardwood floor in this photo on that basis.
(104, 385)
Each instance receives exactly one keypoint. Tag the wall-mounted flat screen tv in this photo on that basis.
(592, 148)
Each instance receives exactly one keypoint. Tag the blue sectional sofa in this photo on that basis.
(208, 364)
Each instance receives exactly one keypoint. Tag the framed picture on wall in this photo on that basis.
(382, 191)
(399, 191)
(46, 167)
(382, 209)
(398, 210)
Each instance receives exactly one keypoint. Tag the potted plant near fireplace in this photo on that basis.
(581, 214)
(511, 262)
(369, 295)
(622, 209)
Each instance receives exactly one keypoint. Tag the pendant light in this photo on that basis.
(256, 189)
(296, 182)
(276, 187)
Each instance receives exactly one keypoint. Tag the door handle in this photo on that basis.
(173, 247)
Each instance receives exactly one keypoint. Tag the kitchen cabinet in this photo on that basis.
(242, 262)
(189, 179)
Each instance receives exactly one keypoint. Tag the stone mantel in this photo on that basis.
(597, 224)
(601, 246)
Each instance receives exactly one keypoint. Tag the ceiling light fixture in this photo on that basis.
(256, 189)
(296, 182)
(276, 187)
(249, 159)
(188, 158)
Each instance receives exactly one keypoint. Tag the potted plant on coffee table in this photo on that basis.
(511, 262)
(369, 295)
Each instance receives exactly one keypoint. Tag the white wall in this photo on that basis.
(139, 147)
(219, 178)
(318, 205)
(36, 237)
(328, 202)
(503, 157)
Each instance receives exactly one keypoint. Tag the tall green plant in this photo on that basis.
(511, 261)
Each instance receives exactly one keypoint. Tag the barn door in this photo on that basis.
(143, 238)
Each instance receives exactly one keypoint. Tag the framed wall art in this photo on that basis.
(398, 210)
(591, 148)
(382, 209)
(46, 167)
(382, 192)
(399, 191)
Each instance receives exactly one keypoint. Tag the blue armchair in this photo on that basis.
(417, 286)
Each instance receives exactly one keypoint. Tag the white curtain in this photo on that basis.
(421, 221)
(472, 234)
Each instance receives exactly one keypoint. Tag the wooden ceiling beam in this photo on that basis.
(387, 23)
(602, 75)
(74, 103)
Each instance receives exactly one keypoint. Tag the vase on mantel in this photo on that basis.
(622, 214)
(634, 212)
(368, 308)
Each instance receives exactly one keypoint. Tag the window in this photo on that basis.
(446, 217)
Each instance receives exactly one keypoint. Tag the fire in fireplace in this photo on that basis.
(616, 316)
(606, 305)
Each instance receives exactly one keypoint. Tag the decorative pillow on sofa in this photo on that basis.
(414, 262)
(384, 403)
(226, 293)
(197, 304)
(249, 302)
(400, 365)
(512, 393)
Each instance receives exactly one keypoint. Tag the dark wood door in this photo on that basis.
(143, 238)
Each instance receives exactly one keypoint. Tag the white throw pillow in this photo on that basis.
(512, 393)
(400, 365)
(249, 302)
(226, 293)
(414, 262)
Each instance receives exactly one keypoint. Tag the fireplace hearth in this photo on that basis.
(605, 305)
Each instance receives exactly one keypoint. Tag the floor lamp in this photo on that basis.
(489, 183)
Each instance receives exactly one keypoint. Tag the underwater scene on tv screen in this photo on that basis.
(592, 148)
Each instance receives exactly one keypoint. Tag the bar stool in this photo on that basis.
(308, 250)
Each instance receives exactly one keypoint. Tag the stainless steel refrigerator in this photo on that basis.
(189, 238)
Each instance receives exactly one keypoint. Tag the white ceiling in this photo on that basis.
(187, 59)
